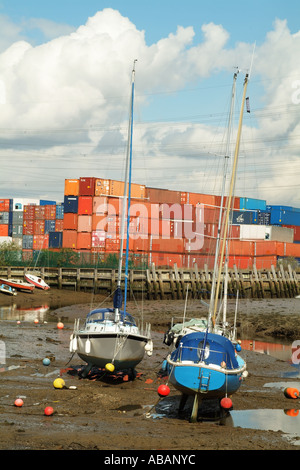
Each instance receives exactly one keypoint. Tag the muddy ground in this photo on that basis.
(115, 414)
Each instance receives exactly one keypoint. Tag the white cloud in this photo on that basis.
(66, 104)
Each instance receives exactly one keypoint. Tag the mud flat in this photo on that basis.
(114, 414)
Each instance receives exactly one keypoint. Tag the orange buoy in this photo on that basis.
(292, 412)
(19, 402)
(60, 325)
(36, 321)
(291, 392)
(226, 403)
(163, 390)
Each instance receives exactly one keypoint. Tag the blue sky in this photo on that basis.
(189, 86)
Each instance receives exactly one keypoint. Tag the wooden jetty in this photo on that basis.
(157, 283)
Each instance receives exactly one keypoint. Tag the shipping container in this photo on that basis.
(243, 217)
(18, 204)
(84, 241)
(50, 212)
(40, 242)
(6, 205)
(55, 239)
(46, 202)
(17, 217)
(39, 212)
(266, 248)
(50, 226)
(5, 217)
(197, 198)
(59, 211)
(27, 255)
(292, 249)
(70, 221)
(296, 230)
(84, 223)
(4, 230)
(247, 203)
(38, 227)
(59, 225)
(69, 239)
(71, 187)
(98, 239)
(85, 205)
(28, 227)
(284, 215)
(100, 205)
(99, 222)
(157, 195)
(29, 212)
(71, 204)
(266, 232)
(17, 230)
(102, 187)
(27, 242)
(241, 248)
(87, 186)
(171, 245)
(114, 206)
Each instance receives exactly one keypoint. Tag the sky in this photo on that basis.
(65, 71)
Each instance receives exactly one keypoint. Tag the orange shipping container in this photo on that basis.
(69, 239)
(99, 222)
(292, 249)
(4, 205)
(100, 205)
(71, 187)
(84, 241)
(50, 212)
(102, 187)
(59, 225)
(171, 245)
(195, 198)
(3, 230)
(70, 221)
(84, 223)
(241, 248)
(39, 227)
(268, 247)
(85, 205)
(39, 212)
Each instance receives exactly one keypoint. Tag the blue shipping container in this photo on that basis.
(244, 217)
(60, 211)
(284, 215)
(49, 226)
(247, 203)
(71, 204)
(55, 239)
(27, 242)
(44, 202)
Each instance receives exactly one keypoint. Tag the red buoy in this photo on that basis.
(60, 325)
(291, 392)
(163, 390)
(48, 411)
(19, 402)
(226, 403)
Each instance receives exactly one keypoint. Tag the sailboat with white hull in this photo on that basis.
(205, 363)
(110, 337)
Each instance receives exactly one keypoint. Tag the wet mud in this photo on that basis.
(115, 413)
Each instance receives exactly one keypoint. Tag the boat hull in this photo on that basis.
(205, 364)
(16, 284)
(36, 281)
(99, 349)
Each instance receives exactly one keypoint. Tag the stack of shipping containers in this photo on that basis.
(166, 227)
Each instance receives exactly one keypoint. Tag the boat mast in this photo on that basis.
(118, 293)
(226, 161)
(228, 205)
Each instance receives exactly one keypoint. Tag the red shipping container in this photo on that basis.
(84, 241)
(241, 248)
(292, 249)
(38, 227)
(59, 225)
(85, 205)
(265, 262)
(28, 227)
(296, 229)
(115, 206)
(171, 245)
(84, 223)
(3, 230)
(69, 239)
(4, 205)
(162, 195)
(86, 186)
(98, 239)
(100, 205)
(241, 262)
(50, 212)
(29, 212)
(196, 198)
(39, 212)
(70, 221)
(268, 247)
(40, 242)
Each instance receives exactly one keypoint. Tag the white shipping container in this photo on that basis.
(266, 232)
(19, 203)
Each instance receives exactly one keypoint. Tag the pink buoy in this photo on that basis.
(226, 403)
(163, 390)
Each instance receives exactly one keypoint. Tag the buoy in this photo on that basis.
(18, 322)
(109, 367)
(291, 392)
(48, 411)
(46, 361)
(163, 390)
(292, 412)
(226, 403)
(36, 321)
(59, 383)
(60, 325)
(238, 347)
(19, 402)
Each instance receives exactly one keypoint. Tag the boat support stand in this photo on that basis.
(197, 400)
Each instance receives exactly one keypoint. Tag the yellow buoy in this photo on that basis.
(109, 367)
(59, 383)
